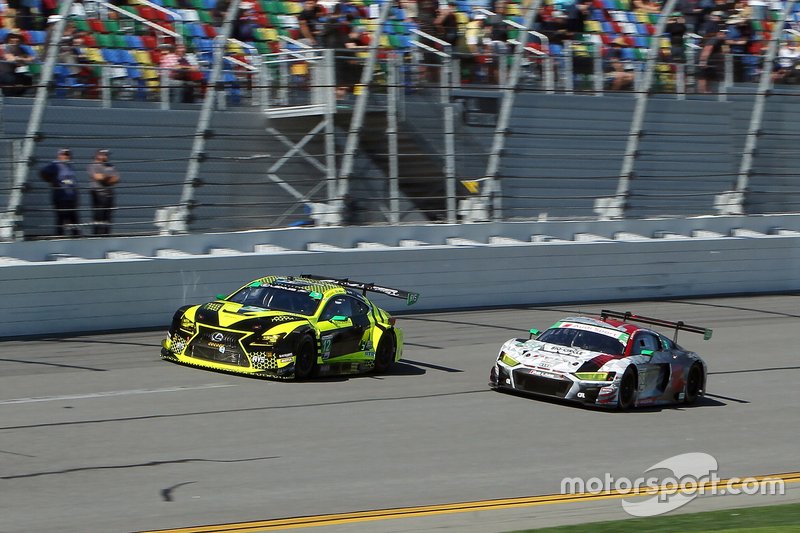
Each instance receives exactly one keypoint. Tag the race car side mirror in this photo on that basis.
(534, 333)
(220, 296)
(339, 318)
(647, 352)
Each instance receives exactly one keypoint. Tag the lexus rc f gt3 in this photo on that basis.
(609, 361)
(289, 327)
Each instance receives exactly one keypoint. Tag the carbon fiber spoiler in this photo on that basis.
(677, 326)
(410, 297)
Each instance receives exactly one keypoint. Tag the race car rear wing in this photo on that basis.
(677, 326)
(410, 297)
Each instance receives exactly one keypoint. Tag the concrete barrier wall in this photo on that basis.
(95, 295)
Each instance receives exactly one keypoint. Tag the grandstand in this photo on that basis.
(561, 152)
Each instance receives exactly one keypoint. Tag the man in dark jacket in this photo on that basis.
(61, 177)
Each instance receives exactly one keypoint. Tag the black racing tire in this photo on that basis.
(627, 389)
(385, 352)
(305, 363)
(694, 384)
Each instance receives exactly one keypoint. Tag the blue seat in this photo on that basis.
(134, 41)
(109, 55)
(125, 57)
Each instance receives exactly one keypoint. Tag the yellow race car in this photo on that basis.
(289, 327)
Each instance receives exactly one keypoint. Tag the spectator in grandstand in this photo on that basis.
(309, 20)
(74, 53)
(787, 64)
(219, 10)
(556, 27)
(335, 27)
(426, 15)
(351, 210)
(411, 9)
(246, 23)
(349, 74)
(619, 68)
(577, 14)
(102, 179)
(15, 66)
(61, 177)
(498, 38)
(676, 29)
(476, 38)
(739, 38)
(692, 11)
(712, 22)
(712, 58)
(446, 24)
(183, 75)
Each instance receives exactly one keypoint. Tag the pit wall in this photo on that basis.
(66, 287)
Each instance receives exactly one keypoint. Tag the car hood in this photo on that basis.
(554, 358)
(231, 314)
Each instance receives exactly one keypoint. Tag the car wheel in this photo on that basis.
(627, 388)
(305, 362)
(385, 353)
(694, 383)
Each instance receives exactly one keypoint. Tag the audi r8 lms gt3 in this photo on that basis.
(289, 327)
(607, 362)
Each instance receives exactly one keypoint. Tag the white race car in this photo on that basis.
(607, 361)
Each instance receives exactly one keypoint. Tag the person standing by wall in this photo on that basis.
(102, 178)
(61, 177)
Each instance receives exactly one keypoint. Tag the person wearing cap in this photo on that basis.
(676, 29)
(61, 177)
(739, 37)
(102, 179)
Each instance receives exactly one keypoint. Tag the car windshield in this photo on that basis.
(277, 299)
(585, 340)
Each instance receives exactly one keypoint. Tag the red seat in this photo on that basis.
(149, 41)
(97, 26)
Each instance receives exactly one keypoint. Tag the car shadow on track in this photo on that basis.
(703, 401)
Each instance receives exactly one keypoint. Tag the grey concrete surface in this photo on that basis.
(98, 435)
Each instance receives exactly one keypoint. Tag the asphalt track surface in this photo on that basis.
(97, 434)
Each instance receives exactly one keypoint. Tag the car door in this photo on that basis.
(654, 369)
(342, 326)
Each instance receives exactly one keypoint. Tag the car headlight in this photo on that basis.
(507, 359)
(595, 376)
(187, 323)
(270, 338)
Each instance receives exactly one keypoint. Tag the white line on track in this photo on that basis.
(112, 393)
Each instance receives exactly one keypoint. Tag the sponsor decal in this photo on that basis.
(284, 318)
(622, 337)
(217, 336)
(544, 374)
(215, 345)
(326, 346)
(213, 306)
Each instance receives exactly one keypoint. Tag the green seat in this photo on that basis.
(104, 40)
(81, 25)
(205, 16)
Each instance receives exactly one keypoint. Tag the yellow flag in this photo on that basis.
(472, 186)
